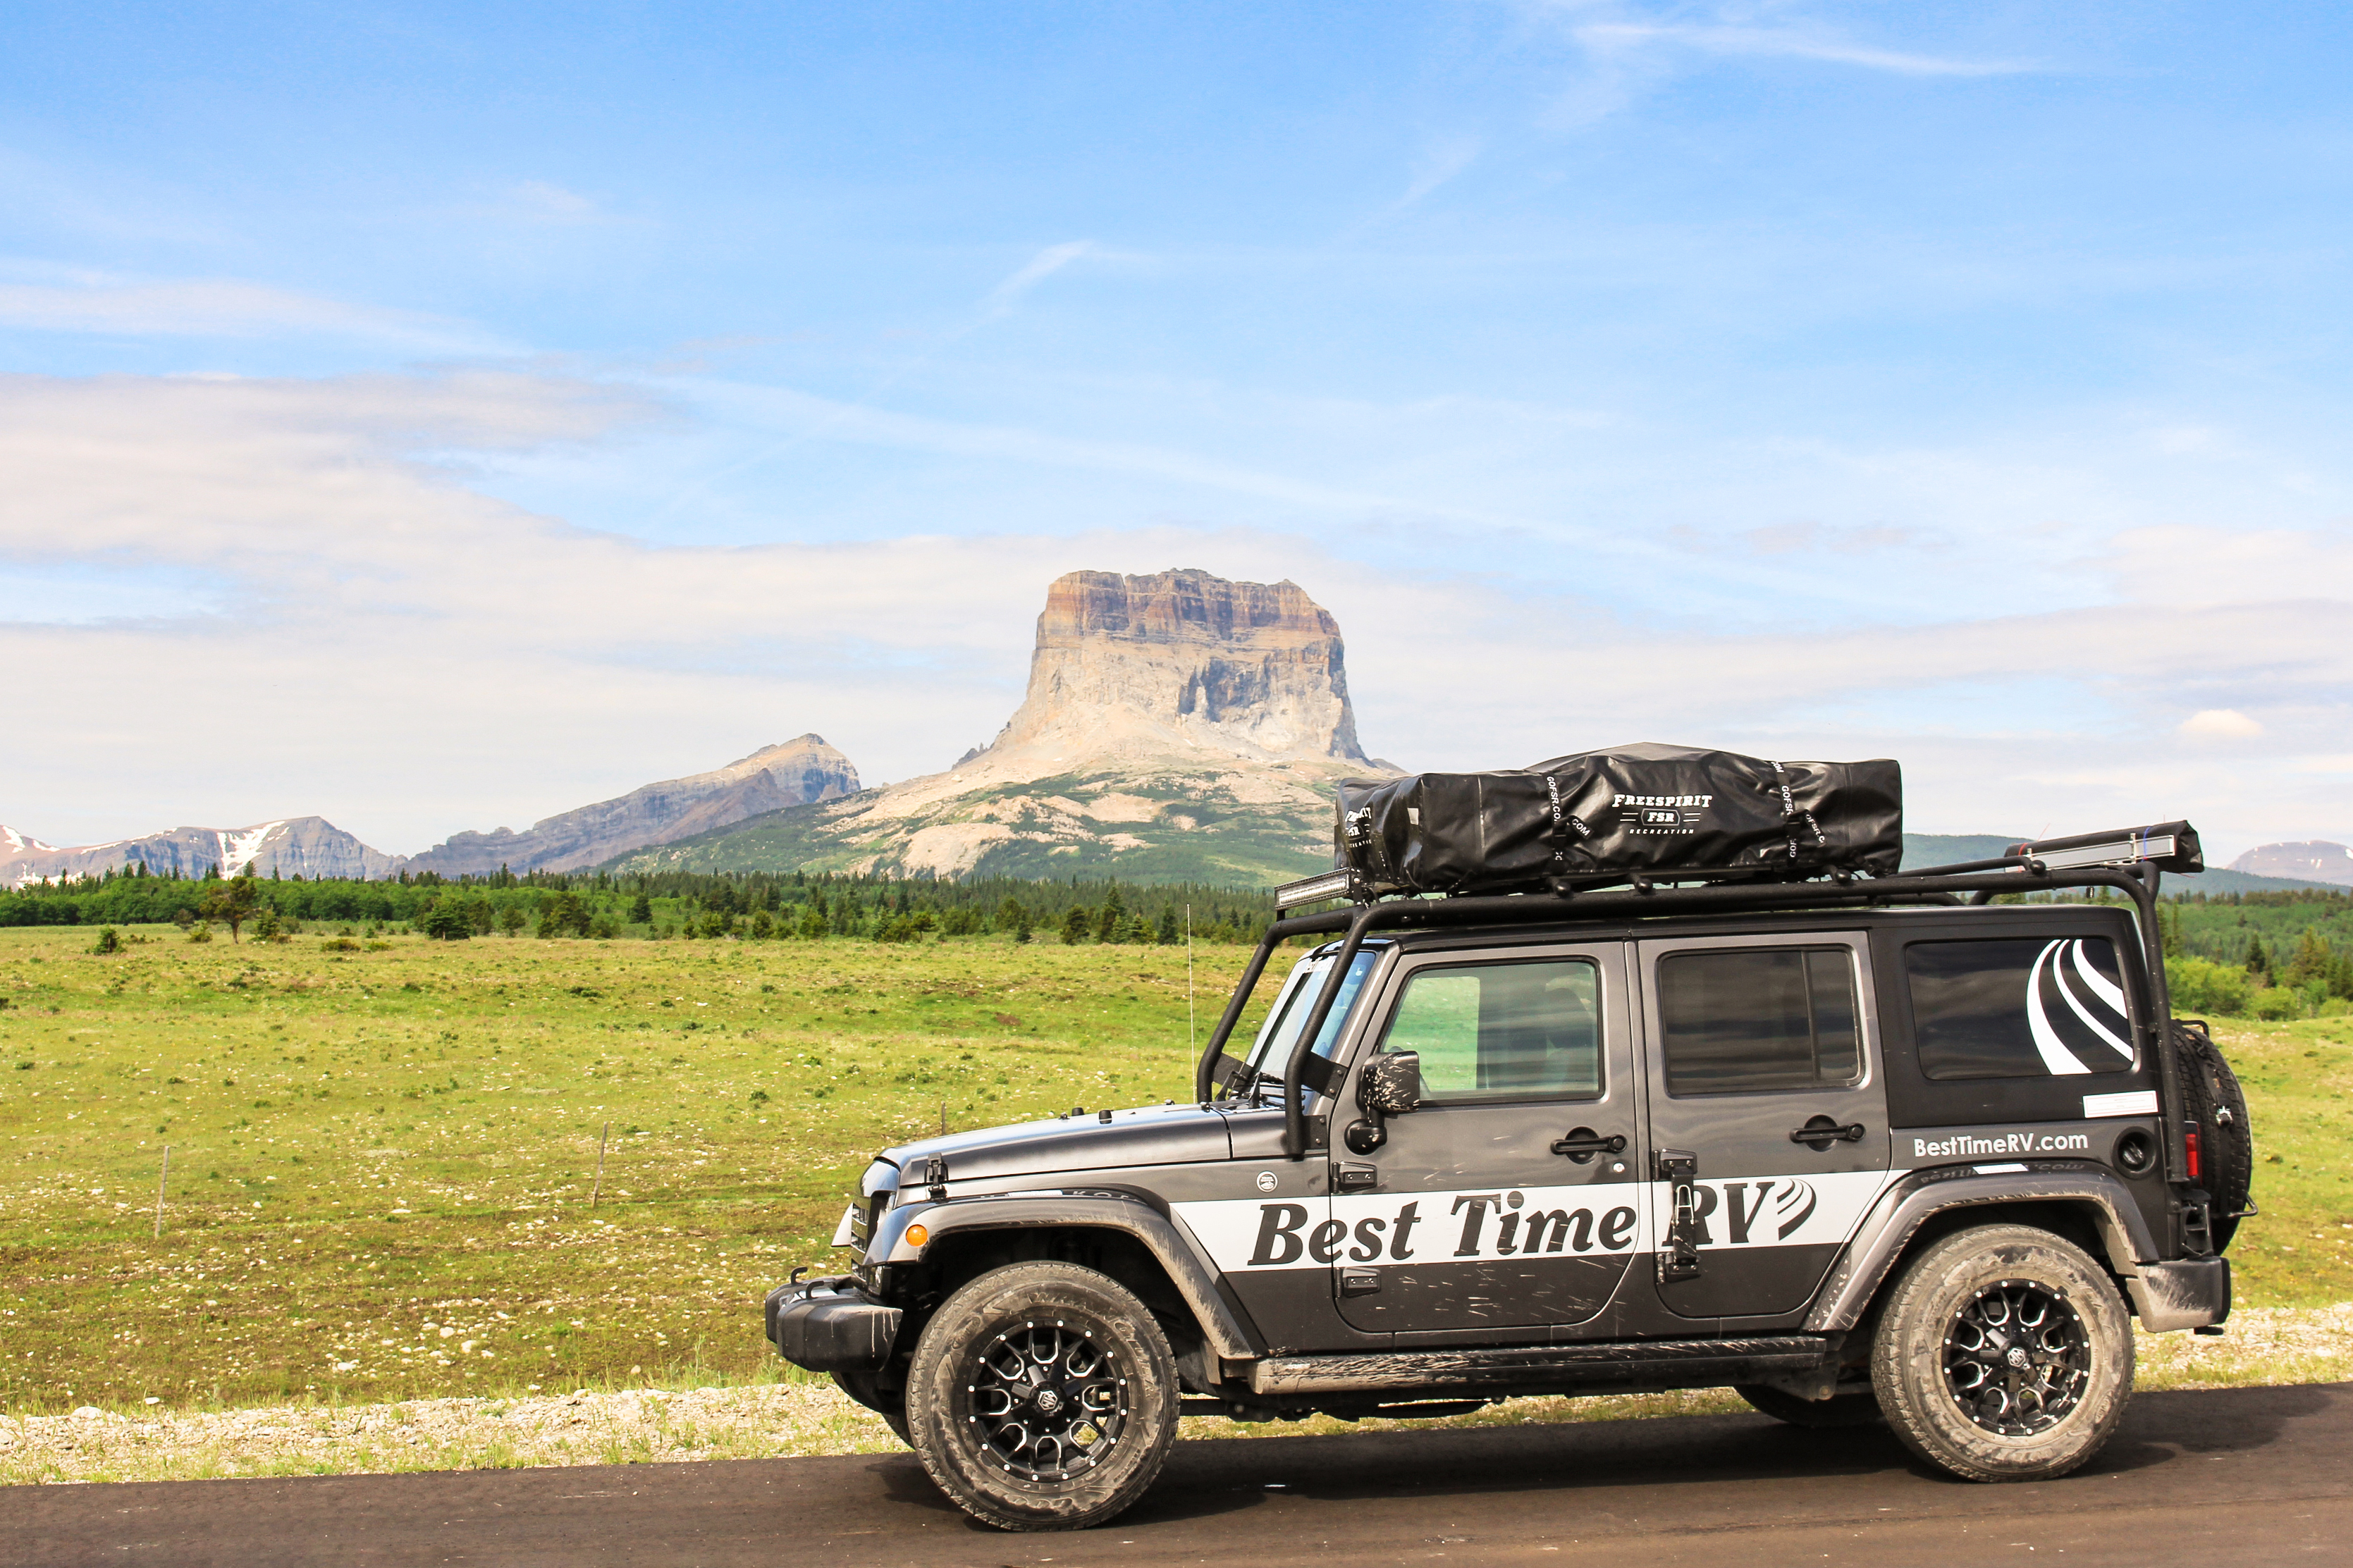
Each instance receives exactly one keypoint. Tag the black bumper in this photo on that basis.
(831, 1325)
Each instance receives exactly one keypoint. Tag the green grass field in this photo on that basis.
(382, 1160)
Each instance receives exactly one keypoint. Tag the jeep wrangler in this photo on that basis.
(1863, 1150)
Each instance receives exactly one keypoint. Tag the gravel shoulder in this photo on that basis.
(644, 1426)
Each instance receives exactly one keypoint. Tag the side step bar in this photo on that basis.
(1693, 1364)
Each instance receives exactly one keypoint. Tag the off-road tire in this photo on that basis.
(1963, 1314)
(1817, 1415)
(893, 1408)
(962, 1421)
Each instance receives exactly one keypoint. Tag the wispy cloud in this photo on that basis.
(1783, 42)
(223, 308)
(1034, 271)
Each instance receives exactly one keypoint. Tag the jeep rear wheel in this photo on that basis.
(1042, 1396)
(2004, 1354)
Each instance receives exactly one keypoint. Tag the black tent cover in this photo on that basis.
(1603, 815)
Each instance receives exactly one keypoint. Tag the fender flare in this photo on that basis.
(1188, 1268)
(1910, 1202)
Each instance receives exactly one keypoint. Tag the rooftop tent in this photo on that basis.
(1599, 817)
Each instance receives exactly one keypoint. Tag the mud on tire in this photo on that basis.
(1042, 1396)
(2004, 1353)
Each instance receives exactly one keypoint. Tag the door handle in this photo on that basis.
(1820, 1131)
(1582, 1144)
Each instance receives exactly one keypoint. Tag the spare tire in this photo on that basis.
(2226, 1137)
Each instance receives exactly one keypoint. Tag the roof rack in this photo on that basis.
(2168, 846)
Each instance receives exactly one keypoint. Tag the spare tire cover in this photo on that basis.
(2226, 1136)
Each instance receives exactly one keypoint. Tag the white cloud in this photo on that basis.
(2221, 724)
(382, 644)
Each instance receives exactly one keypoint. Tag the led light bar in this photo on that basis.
(1313, 890)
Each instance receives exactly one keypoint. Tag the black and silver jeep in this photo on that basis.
(1861, 1149)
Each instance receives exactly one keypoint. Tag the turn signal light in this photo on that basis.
(917, 1235)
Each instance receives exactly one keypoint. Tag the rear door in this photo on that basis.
(1762, 1065)
(1497, 1204)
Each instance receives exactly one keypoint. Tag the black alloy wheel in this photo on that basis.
(1049, 1401)
(2017, 1358)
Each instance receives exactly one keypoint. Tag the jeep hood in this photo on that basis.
(1147, 1135)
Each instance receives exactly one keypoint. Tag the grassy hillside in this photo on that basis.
(382, 1160)
(1226, 844)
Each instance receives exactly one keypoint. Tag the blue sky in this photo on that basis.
(591, 395)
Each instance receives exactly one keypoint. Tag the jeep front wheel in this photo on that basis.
(1042, 1396)
(2004, 1354)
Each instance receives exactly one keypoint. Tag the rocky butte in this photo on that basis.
(1177, 726)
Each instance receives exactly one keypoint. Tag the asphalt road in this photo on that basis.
(2236, 1478)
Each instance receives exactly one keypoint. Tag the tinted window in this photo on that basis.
(1739, 1020)
(2018, 1008)
(1504, 1031)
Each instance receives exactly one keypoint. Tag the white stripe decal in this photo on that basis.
(1258, 1235)
(2075, 959)
(2056, 1056)
(2112, 995)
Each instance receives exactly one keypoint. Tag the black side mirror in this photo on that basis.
(1391, 1084)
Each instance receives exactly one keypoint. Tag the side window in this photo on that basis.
(1739, 1020)
(1503, 1031)
(2018, 1008)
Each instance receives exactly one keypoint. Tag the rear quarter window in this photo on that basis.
(2003, 1019)
(2012, 1007)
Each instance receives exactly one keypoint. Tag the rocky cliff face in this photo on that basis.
(1176, 727)
(1183, 662)
(309, 846)
(2316, 861)
(794, 772)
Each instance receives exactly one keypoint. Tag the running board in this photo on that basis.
(1693, 1363)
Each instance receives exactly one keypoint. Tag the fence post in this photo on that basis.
(602, 1139)
(161, 1182)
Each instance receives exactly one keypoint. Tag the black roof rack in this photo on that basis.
(2167, 846)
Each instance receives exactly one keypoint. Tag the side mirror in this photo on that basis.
(1391, 1083)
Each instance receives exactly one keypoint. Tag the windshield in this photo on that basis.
(1272, 1051)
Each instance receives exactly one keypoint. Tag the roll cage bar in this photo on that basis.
(2133, 870)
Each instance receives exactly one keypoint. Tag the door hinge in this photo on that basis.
(1679, 1247)
(1357, 1178)
(1360, 1282)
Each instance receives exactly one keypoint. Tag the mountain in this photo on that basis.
(2316, 860)
(298, 846)
(1176, 727)
(797, 771)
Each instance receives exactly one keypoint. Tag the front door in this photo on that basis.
(1497, 1204)
(1761, 1060)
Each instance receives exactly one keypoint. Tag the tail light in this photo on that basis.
(2192, 1158)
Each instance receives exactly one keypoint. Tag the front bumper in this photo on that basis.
(831, 1325)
